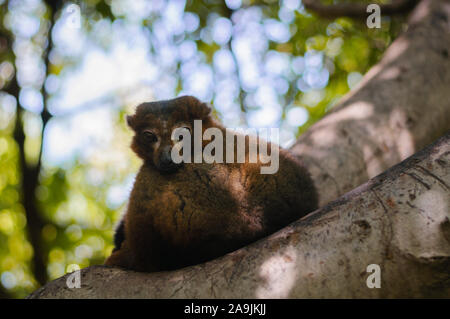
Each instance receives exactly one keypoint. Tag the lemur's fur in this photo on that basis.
(179, 215)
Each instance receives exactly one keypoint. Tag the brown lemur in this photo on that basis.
(188, 213)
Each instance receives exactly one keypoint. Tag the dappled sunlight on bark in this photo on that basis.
(279, 274)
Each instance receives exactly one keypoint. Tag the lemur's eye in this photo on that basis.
(149, 136)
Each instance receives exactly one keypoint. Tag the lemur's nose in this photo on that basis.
(166, 164)
(165, 157)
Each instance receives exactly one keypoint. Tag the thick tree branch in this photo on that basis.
(357, 10)
(398, 221)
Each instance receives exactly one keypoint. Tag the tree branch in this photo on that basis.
(394, 221)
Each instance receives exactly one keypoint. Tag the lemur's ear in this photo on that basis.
(130, 120)
(206, 110)
(200, 110)
(196, 109)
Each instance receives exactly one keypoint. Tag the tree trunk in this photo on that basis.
(401, 105)
(398, 220)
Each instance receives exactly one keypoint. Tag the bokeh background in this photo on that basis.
(71, 70)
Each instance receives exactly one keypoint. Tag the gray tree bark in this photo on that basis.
(401, 105)
(399, 220)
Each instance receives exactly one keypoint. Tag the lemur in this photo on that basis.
(180, 214)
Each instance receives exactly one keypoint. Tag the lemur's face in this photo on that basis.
(153, 124)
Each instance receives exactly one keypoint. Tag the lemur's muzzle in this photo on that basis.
(166, 164)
